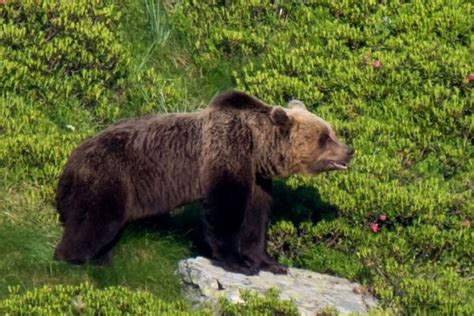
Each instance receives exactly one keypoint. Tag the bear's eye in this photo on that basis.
(323, 139)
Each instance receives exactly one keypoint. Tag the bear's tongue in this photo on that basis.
(339, 166)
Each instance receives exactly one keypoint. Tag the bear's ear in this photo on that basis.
(280, 117)
(296, 104)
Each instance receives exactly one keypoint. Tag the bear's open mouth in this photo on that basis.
(339, 165)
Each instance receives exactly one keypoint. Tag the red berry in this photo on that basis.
(374, 227)
(383, 217)
(376, 63)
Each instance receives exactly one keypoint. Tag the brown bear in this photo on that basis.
(224, 155)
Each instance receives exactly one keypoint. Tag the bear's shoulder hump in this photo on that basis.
(233, 99)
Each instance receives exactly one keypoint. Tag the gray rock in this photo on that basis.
(205, 283)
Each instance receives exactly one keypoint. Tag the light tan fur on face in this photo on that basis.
(308, 154)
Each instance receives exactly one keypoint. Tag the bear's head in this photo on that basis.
(313, 145)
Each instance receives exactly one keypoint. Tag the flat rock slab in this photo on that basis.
(205, 282)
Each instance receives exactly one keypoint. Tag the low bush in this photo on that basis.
(254, 304)
(84, 299)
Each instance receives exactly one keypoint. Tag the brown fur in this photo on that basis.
(224, 156)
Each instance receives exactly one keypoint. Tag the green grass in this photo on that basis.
(143, 260)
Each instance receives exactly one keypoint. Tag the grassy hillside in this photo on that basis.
(393, 78)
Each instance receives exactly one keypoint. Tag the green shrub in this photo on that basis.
(255, 304)
(57, 48)
(57, 59)
(391, 78)
(84, 299)
(414, 272)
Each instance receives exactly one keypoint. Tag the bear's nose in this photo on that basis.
(350, 151)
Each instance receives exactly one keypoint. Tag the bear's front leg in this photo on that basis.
(253, 240)
(224, 214)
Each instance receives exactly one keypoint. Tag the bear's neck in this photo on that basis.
(271, 146)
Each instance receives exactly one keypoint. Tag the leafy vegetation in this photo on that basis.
(394, 78)
(268, 304)
(84, 299)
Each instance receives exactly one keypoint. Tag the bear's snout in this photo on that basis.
(350, 152)
(340, 158)
(347, 156)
